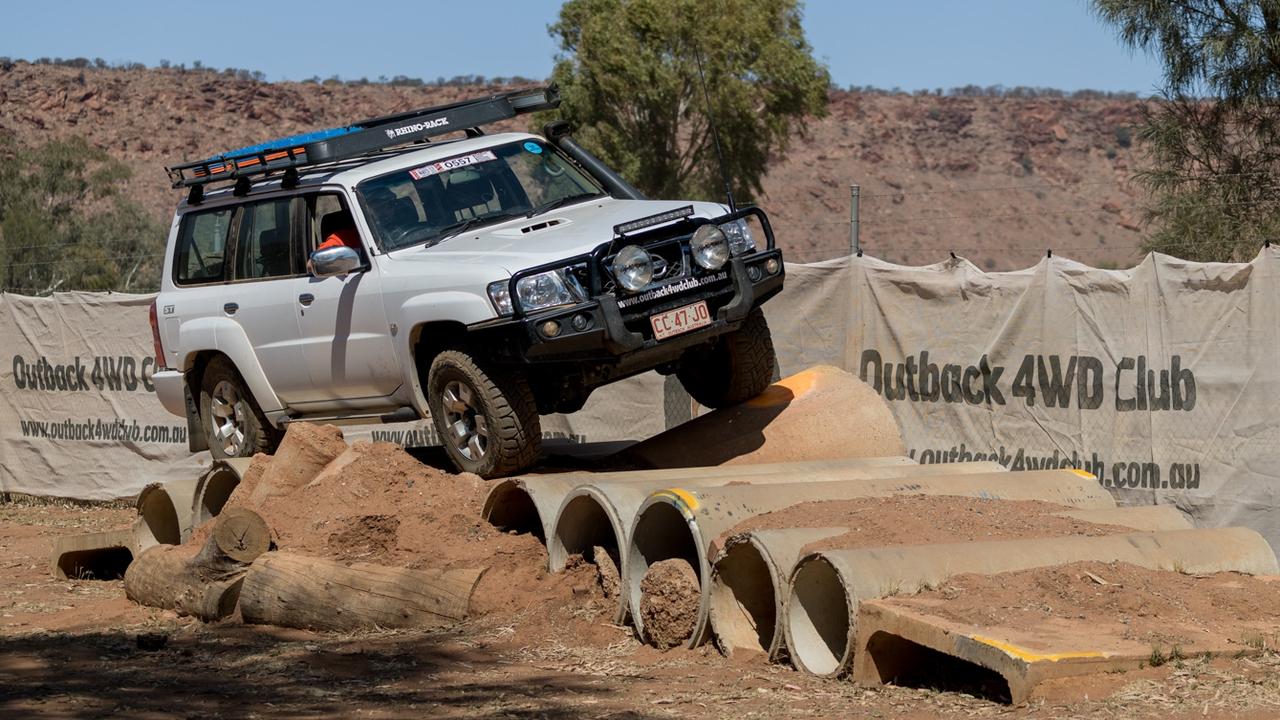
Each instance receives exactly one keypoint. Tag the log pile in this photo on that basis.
(232, 563)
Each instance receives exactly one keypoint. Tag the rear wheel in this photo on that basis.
(737, 367)
(233, 424)
(487, 419)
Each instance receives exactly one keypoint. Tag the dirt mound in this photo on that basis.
(669, 595)
(925, 519)
(373, 502)
(1165, 609)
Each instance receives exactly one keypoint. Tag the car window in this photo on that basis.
(327, 213)
(263, 246)
(202, 245)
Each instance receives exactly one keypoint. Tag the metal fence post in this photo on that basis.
(855, 247)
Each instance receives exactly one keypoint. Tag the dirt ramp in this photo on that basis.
(818, 414)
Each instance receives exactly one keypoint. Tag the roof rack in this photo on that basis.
(360, 138)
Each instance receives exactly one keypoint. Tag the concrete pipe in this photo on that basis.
(531, 503)
(684, 522)
(599, 514)
(215, 486)
(820, 615)
(749, 577)
(819, 414)
(166, 511)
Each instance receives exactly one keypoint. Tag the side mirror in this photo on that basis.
(334, 261)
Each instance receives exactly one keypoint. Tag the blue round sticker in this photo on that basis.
(533, 147)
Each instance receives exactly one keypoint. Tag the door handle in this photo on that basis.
(230, 308)
(306, 298)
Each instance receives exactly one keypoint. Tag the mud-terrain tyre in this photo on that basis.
(487, 419)
(739, 366)
(232, 422)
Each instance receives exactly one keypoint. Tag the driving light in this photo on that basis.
(710, 247)
(633, 268)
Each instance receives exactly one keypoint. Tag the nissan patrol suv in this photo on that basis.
(482, 280)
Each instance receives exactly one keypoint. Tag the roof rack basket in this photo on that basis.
(361, 138)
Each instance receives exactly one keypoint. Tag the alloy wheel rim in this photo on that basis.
(226, 413)
(467, 430)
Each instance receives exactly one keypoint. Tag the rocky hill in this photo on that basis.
(997, 180)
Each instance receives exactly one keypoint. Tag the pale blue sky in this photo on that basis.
(910, 44)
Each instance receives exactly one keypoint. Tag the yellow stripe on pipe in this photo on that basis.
(687, 501)
(1028, 656)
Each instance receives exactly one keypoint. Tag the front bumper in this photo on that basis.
(619, 332)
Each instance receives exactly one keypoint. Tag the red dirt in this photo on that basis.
(669, 595)
(924, 519)
(1163, 609)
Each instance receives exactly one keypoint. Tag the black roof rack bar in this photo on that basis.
(364, 137)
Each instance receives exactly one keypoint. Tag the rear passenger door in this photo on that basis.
(266, 262)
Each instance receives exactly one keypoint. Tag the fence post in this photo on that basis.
(855, 247)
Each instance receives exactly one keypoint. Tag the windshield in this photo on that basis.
(433, 202)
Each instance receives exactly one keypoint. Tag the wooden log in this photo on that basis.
(303, 592)
(201, 581)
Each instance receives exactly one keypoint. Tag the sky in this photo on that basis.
(908, 44)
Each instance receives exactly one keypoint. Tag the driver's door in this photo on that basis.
(345, 338)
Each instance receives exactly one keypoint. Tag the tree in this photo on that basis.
(628, 77)
(64, 226)
(1214, 141)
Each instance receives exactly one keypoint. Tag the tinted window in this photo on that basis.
(263, 248)
(202, 245)
(328, 213)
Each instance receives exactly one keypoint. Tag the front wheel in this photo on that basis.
(232, 423)
(487, 419)
(736, 368)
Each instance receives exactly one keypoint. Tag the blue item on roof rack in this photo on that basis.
(286, 142)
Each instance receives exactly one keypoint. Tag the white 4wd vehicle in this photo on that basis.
(486, 280)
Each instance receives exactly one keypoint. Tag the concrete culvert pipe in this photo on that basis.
(160, 525)
(749, 577)
(694, 517)
(599, 514)
(215, 486)
(748, 584)
(820, 614)
(531, 503)
(817, 414)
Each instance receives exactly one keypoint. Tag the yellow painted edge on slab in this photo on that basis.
(1084, 474)
(786, 389)
(1031, 657)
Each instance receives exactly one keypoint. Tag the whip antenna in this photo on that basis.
(715, 134)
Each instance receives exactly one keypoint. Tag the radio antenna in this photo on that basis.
(715, 134)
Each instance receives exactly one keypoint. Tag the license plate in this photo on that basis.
(680, 320)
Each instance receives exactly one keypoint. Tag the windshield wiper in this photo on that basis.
(547, 207)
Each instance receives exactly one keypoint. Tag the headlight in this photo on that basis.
(741, 239)
(537, 292)
(710, 247)
(633, 268)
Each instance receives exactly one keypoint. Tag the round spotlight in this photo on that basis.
(633, 268)
(551, 328)
(710, 248)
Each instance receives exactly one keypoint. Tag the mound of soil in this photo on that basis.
(1164, 609)
(924, 519)
(669, 594)
(373, 502)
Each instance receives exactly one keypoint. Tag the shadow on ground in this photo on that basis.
(232, 670)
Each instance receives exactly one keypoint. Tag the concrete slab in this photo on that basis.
(902, 641)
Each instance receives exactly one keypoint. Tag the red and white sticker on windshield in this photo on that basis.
(452, 164)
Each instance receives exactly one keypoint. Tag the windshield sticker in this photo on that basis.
(451, 164)
(533, 147)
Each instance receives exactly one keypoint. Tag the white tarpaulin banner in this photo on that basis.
(1161, 380)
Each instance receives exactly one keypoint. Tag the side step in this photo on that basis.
(404, 414)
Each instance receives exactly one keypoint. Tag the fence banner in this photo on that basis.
(1161, 380)
(78, 413)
